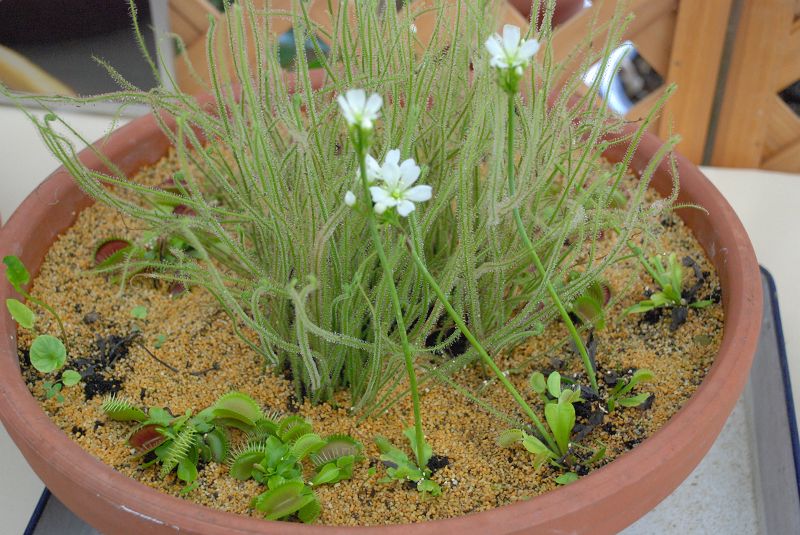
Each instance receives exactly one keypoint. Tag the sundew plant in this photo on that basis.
(357, 221)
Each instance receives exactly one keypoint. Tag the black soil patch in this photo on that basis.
(96, 370)
(437, 462)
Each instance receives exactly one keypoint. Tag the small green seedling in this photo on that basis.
(670, 281)
(48, 354)
(559, 411)
(139, 312)
(620, 393)
(400, 468)
(589, 306)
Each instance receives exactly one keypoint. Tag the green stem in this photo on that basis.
(52, 312)
(512, 189)
(482, 352)
(419, 436)
(636, 250)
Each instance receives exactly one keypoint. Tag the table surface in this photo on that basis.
(766, 202)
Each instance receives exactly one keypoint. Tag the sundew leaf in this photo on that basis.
(16, 273)
(47, 353)
(23, 315)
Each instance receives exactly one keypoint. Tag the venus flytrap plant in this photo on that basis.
(400, 468)
(179, 443)
(273, 453)
(621, 393)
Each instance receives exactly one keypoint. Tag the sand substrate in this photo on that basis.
(208, 360)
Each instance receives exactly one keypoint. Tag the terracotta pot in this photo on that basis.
(603, 502)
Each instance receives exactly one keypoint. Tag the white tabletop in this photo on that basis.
(766, 202)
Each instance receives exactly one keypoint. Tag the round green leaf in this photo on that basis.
(70, 378)
(139, 312)
(47, 353)
(16, 273)
(538, 383)
(23, 315)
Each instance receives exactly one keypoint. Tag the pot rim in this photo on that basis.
(605, 489)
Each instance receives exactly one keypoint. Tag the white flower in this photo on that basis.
(350, 198)
(509, 51)
(398, 188)
(358, 110)
(374, 168)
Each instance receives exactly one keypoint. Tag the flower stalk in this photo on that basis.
(459, 321)
(523, 234)
(511, 55)
(360, 114)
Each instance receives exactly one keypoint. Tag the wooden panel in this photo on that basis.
(783, 126)
(577, 31)
(694, 66)
(654, 42)
(189, 18)
(197, 55)
(741, 128)
(789, 69)
(787, 159)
